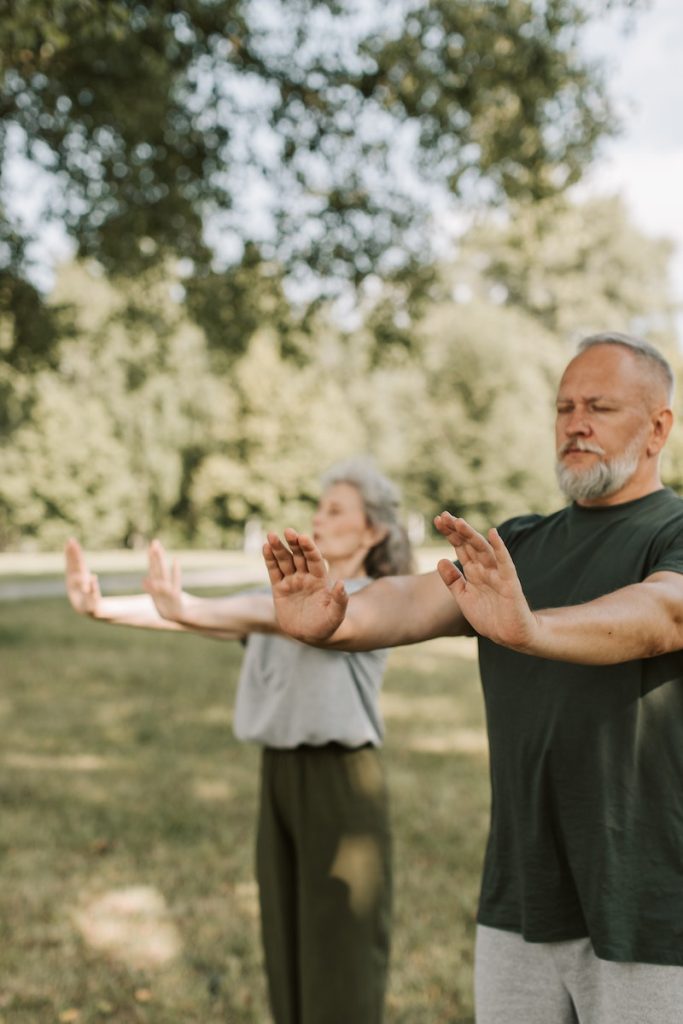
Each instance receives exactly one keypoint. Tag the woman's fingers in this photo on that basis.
(306, 555)
(278, 557)
(298, 554)
(158, 569)
(275, 574)
(76, 566)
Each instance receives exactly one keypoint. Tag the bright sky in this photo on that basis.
(646, 163)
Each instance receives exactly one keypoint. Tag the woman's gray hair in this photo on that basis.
(393, 555)
(652, 357)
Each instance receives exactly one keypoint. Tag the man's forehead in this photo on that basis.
(601, 372)
(572, 394)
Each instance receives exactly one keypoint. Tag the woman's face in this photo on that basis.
(340, 525)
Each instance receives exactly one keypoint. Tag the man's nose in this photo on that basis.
(577, 423)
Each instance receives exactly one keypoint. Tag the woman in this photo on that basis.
(323, 846)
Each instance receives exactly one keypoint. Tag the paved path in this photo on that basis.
(20, 589)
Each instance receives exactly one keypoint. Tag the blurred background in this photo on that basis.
(240, 239)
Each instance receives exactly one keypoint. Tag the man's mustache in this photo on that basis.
(577, 445)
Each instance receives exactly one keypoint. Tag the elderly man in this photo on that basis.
(579, 617)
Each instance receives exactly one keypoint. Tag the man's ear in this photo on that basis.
(662, 422)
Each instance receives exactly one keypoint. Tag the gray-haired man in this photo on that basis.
(580, 623)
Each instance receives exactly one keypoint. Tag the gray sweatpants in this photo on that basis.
(519, 982)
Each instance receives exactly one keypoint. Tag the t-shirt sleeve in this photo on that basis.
(510, 530)
(666, 554)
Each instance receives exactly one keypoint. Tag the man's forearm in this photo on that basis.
(639, 621)
(398, 610)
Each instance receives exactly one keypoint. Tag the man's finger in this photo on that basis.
(501, 553)
(451, 575)
(472, 537)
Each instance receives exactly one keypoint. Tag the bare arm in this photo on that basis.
(83, 591)
(390, 612)
(138, 610)
(638, 621)
(234, 617)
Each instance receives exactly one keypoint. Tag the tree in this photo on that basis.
(296, 139)
(576, 268)
(104, 442)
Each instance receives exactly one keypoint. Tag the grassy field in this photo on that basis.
(128, 814)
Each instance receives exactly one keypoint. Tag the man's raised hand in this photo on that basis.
(488, 590)
(309, 606)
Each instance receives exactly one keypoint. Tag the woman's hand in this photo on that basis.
(163, 584)
(82, 586)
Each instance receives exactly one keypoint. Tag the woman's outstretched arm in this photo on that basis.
(233, 616)
(137, 610)
(83, 591)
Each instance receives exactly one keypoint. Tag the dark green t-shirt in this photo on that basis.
(587, 761)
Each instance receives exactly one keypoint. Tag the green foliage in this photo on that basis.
(140, 429)
(102, 447)
(576, 267)
(485, 446)
(159, 123)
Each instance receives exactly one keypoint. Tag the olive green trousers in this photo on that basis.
(324, 873)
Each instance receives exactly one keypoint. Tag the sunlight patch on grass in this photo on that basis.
(131, 925)
(246, 898)
(455, 741)
(213, 791)
(217, 714)
(58, 762)
(407, 707)
(430, 656)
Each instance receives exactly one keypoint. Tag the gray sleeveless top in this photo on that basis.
(289, 693)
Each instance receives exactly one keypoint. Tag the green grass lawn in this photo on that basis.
(128, 813)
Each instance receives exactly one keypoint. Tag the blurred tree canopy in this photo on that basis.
(273, 143)
(136, 431)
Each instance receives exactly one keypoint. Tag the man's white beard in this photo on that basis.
(603, 477)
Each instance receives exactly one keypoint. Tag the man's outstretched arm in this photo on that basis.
(638, 621)
(389, 612)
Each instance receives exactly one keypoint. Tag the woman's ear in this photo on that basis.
(378, 533)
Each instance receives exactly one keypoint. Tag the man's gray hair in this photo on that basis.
(393, 555)
(654, 358)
